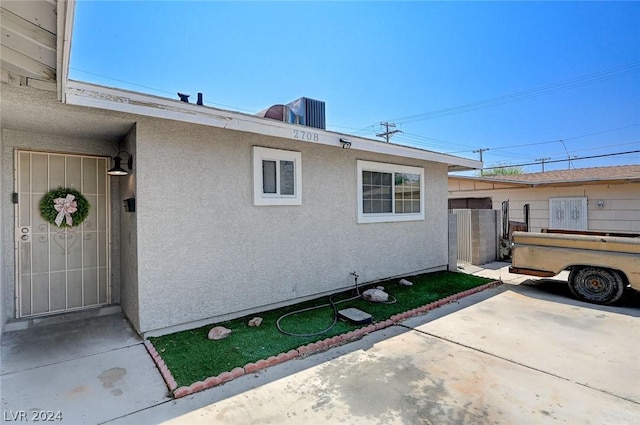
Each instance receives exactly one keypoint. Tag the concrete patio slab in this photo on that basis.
(417, 379)
(590, 345)
(87, 390)
(89, 371)
(411, 375)
(40, 346)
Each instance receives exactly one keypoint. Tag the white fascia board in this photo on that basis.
(490, 181)
(90, 95)
(66, 12)
(537, 183)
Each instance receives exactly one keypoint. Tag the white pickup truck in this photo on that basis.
(601, 264)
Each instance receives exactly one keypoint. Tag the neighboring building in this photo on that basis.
(221, 214)
(600, 198)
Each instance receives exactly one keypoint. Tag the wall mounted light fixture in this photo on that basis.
(117, 169)
(345, 144)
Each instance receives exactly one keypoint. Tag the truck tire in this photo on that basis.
(596, 285)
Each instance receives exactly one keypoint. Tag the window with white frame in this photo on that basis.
(389, 192)
(277, 177)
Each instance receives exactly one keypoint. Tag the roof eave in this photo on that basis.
(96, 96)
(471, 166)
(492, 181)
(66, 12)
(621, 180)
(568, 182)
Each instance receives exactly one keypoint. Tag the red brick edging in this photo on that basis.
(304, 350)
(162, 367)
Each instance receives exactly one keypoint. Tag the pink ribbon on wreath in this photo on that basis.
(65, 207)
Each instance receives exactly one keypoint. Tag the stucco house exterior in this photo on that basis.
(220, 214)
(597, 198)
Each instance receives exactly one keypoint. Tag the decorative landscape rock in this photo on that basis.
(405, 282)
(375, 295)
(255, 322)
(380, 288)
(219, 332)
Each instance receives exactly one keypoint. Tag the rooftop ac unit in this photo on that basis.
(303, 111)
(308, 112)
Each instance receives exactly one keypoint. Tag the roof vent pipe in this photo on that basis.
(199, 101)
(184, 97)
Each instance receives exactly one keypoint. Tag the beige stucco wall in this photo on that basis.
(206, 251)
(127, 248)
(621, 210)
(197, 250)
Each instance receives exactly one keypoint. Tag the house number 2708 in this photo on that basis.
(306, 135)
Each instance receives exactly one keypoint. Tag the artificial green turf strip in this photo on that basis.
(191, 356)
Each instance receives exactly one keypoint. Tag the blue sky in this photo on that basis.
(511, 77)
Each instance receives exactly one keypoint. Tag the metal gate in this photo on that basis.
(463, 219)
(60, 269)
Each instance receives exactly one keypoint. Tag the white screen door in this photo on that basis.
(61, 269)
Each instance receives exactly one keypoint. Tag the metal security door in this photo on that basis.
(61, 269)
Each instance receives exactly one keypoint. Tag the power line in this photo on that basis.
(557, 140)
(567, 138)
(634, 143)
(430, 141)
(410, 141)
(575, 158)
(607, 146)
(514, 146)
(567, 151)
(592, 78)
(367, 129)
(601, 132)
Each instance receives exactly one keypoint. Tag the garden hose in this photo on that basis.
(332, 304)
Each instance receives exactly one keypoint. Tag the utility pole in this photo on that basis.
(543, 160)
(481, 150)
(387, 134)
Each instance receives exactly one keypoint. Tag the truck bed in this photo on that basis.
(548, 253)
(584, 240)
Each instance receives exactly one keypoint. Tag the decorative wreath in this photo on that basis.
(64, 207)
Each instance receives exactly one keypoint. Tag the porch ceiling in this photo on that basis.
(29, 41)
(44, 114)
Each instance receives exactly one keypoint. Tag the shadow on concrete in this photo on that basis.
(496, 265)
(41, 346)
(558, 291)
